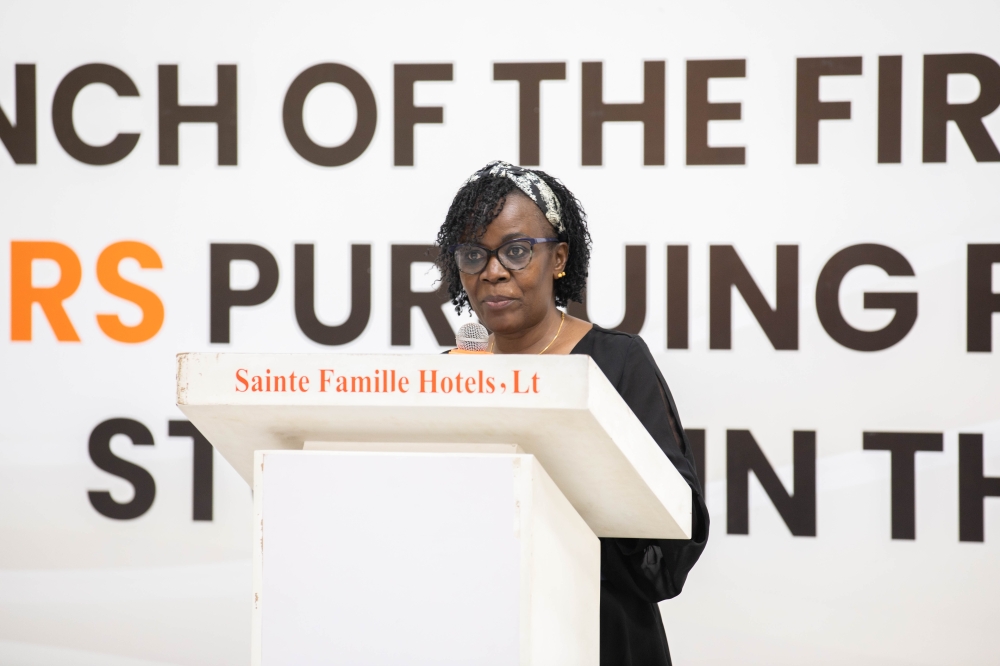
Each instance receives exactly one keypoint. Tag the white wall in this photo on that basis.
(78, 588)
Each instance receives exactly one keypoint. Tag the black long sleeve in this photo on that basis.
(637, 573)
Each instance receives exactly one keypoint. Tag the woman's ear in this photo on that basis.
(560, 258)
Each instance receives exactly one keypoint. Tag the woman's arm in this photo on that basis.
(657, 568)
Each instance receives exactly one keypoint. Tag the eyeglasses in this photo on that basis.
(513, 255)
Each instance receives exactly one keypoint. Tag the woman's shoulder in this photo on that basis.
(612, 350)
(603, 340)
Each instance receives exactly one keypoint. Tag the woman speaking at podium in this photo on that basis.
(515, 248)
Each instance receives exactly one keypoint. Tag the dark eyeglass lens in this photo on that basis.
(470, 259)
(516, 255)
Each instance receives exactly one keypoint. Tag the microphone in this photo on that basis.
(472, 338)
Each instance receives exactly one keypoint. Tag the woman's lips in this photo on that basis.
(497, 302)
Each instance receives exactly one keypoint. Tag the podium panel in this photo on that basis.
(368, 558)
(561, 409)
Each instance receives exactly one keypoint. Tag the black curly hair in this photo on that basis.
(478, 203)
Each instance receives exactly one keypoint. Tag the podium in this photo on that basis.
(431, 509)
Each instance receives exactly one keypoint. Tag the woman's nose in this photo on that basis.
(494, 271)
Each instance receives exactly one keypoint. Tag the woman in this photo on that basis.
(515, 247)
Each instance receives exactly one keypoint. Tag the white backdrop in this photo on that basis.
(77, 587)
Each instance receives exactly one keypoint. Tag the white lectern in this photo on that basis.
(436, 509)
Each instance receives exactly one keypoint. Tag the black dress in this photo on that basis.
(637, 573)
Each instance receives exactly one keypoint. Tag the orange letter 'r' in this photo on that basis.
(23, 294)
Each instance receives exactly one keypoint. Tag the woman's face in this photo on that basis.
(509, 301)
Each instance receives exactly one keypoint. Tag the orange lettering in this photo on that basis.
(432, 381)
(517, 376)
(242, 380)
(23, 294)
(323, 379)
(113, 283)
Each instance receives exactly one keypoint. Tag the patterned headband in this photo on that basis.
(528, 182)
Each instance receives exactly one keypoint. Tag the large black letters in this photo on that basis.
(21, 136)
(404, 299)
(828, 298)
(223, 114)
(100, 453)
(529, 76)
(797, 509)
(202, 481)
(405, 115)
(973, 487)
(62, 114)
(305, 296)
(635, 293)
(222, 296)
(969, 117)
(903, 447)
(890, 109)
(677, 297)
(809, 110)
(364, 128)
(651, 112)
(700, 111)
(780, 324)
(981, 301)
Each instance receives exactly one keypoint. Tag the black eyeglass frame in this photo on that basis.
(496, 253)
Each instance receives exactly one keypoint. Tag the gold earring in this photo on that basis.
(561, 275)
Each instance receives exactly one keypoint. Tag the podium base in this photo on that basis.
(417, 558)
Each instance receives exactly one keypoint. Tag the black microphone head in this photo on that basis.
(472, 337)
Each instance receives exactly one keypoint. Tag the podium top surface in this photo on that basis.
(561, 409)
